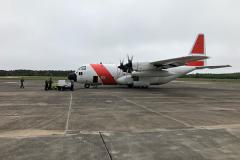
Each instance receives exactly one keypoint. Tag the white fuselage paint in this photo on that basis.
(146, 77)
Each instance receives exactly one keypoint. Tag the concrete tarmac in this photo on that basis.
(179, 120)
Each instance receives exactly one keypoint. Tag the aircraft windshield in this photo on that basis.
(82, 68)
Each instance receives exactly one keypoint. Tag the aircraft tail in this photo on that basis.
(198, 50)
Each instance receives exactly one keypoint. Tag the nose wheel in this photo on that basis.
(86, 85)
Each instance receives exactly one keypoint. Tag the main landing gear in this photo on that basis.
(86, 85)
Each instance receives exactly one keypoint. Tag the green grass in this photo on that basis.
(210, 80)
(30, 78)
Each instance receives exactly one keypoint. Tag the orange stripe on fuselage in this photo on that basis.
(103, 74)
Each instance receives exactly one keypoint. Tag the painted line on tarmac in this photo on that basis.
(220, 126)
(69, 113)
(161, 114)
(156, 130)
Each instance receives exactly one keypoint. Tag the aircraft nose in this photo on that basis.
(72, 76)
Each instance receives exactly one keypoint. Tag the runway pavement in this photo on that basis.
(179, 120)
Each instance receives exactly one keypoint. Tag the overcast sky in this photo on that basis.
(63, 34)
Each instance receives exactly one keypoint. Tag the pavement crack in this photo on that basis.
(105, 145)
(69, 113)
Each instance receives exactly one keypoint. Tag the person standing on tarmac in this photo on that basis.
(72, 85)
(46, 85)
(50, 83)
(22, 82)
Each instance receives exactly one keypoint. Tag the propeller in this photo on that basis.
(122, 66)
(128, 67)
(129, 64)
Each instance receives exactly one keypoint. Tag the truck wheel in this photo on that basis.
(86, 85)
(59, 88)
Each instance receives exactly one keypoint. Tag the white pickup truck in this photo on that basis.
(63, 85)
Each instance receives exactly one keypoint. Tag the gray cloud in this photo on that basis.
(61, 34)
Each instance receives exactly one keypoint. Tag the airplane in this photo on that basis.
(144, 74)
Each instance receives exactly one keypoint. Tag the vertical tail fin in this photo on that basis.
(199, 50)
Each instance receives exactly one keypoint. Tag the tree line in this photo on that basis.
(213, 76)
(60, 73)
(23, 72)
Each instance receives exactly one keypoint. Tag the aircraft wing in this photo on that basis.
(213, 67)
(175, 62)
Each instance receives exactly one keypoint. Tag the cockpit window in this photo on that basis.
(82, 68)
(80, 73)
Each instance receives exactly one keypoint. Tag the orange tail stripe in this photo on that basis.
(199, 45)
(195, 63)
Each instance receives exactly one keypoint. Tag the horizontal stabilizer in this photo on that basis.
(213, 67)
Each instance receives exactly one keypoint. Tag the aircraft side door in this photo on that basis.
(95, 79)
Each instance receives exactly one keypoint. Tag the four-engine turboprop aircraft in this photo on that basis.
(144, 74)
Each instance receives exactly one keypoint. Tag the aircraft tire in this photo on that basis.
(86, 85)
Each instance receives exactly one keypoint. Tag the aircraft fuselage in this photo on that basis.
(110, 74)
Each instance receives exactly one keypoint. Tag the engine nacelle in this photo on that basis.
(143, 66)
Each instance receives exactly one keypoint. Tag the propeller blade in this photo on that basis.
(128, 67)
